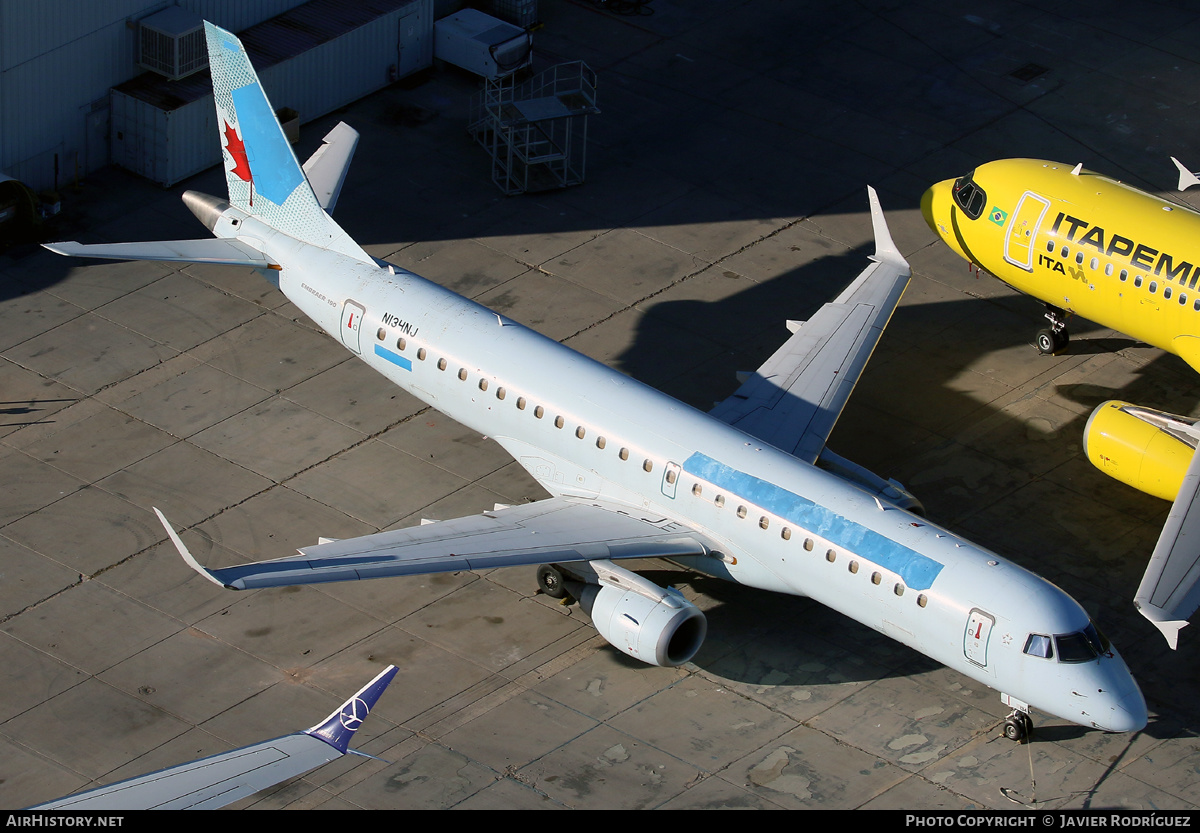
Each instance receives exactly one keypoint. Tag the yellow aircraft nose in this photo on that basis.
(937, 207)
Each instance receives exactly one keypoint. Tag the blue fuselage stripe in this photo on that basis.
(918, 571)
(394, 358)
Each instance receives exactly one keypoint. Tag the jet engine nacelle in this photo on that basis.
(1146, 449)
(667, 631)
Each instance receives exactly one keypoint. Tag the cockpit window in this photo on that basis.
(969, 197)
(1074, 647)
(1039, 645)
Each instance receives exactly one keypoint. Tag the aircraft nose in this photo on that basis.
(1129, 715)
(936, 208)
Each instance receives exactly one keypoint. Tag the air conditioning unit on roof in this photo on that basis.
(172, 43)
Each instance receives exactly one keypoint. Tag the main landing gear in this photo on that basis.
(1053, 340)
(1018, 725)
(551, 582)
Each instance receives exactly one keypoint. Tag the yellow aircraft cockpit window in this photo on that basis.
(969, 197)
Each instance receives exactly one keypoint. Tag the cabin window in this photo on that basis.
(580, 431)
(559, 422)
(1166, 293)
(1094, 263)
(741, 511)
(462, 374)
(381, 334)
(501, 393)
(648, 465)
(600, 442)
(876, 578)
(922, 601)
(831, 556)
(764, 522)
(624, 455)
(719, 500)
(697, 489)
(672, 476)
(520, 403)
(1196, 304)
(1066, 251)
(1050, 246)
(401, 344)
(1153, 287)
(786, 534)
(898, 589)
(1108, 270)
(1183, 299)
(1039, 645)
(539, 412)
(441, 364)
(483, 383)
(1137, 280)
(853, 567)
(808, 544)
(421, 354)
(1124, 275)
(1079, 257)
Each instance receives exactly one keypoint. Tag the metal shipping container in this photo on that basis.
(313, 59)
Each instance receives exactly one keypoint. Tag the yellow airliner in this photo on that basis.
(1085, 244)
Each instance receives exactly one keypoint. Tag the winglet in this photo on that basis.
(339, 727)
(1186, 178)
(885, 248)
(1158, 617)
(187, 556)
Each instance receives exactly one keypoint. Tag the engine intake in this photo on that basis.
(1146, 449)
(668, 631)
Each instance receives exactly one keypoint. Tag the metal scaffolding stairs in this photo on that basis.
(536, 131)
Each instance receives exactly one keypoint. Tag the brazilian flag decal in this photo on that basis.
(997, 216)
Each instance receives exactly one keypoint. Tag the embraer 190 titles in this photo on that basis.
(747, 492)
(1140, 280)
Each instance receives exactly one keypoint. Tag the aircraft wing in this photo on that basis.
(217, 250)
(1170, 588)
(326, 168)
(214, 782)
(552, 530)
(794, 400)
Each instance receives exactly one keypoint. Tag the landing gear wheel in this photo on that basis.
(1018, 726)
(1051, 342)
(550, 581)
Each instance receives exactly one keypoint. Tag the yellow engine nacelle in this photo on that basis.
(1147, 449)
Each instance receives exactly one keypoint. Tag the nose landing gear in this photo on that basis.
(1018, 725)
(1053, 340)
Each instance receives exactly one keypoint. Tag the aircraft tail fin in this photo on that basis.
(265, 180)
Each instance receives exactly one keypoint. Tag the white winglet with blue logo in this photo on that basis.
(220, 780)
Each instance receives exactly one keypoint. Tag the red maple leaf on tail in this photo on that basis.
(237, 150)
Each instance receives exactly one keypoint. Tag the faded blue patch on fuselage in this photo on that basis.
(917, 570)
(272, 165)
(394, 358)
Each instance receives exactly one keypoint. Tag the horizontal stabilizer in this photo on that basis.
(552, 530)
(326, 168)
(214, 782)
(1170, 589)
(224, 251)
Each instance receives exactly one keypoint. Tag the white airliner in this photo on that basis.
(218, 781)
(746, 492)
